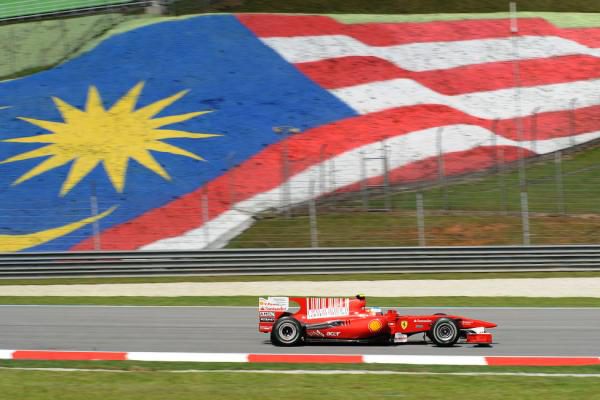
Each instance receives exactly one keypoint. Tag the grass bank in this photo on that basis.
(30, 47)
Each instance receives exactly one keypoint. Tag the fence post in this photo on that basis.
(312, 215)
(332, 181)
(204, 213)
(285, 175)
(286, 131)
(572, 122)
(386, 177)
(502, 183)
(499, 162)
(420, 219)
(229, 163)
(322, 183)
(363, 182)
(514, 29)
(560, 194)
(440, 162)
(95, 224)
(534, 129)
(525, 218)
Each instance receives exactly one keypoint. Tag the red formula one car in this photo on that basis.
(350, 320)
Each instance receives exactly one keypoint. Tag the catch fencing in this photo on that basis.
(557, 203)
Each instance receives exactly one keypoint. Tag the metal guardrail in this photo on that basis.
(301, 261)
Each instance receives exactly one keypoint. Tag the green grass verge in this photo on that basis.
(43, 385)
(311, 278)
(252, 301)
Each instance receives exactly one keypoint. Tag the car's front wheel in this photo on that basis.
(287, 331)
(444, 332)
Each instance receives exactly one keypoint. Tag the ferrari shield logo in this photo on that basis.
(404, 324)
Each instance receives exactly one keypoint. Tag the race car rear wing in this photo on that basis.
(273, 304)
(269, 310)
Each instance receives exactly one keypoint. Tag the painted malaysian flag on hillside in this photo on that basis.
(171, 126)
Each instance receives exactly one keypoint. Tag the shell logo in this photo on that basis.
(375, 325)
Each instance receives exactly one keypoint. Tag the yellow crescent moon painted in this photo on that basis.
(9, 243)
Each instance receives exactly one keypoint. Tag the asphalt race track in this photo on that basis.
(541, 332)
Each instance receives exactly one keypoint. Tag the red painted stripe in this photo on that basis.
(262, 172)
(542, 361)
(305, 358)
(389, 34)
(349, 71)
(69, 355)
(587, 36)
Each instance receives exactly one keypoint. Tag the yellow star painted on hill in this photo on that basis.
(111, 137)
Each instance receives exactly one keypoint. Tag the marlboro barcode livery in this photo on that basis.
(350, 320)
(327, 307)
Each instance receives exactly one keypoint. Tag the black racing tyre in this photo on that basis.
(444, 332)
(287, 331)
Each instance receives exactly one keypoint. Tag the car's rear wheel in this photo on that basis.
(287, 331)
(444, 332)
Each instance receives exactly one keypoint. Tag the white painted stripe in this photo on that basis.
(495, 104)
(424, 360)
(188, 357)
(402, 150)
(426, 56)
(6, 354)
(311, 372)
